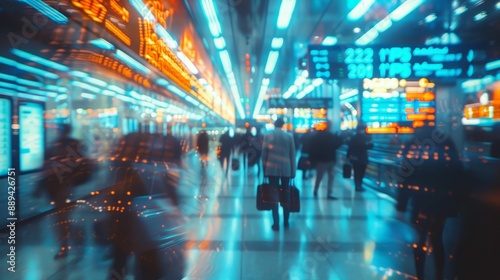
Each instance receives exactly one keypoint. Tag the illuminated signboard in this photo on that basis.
(397, 106)
(31, 136)
(162, 33)
(5, 138)
(435, 62)
(313, 103)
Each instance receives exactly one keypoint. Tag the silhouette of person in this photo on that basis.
(323, 148)
(227, 141)
(202, 146)
(278, 159)
(62, 162)
(429, 176)
(357, 154)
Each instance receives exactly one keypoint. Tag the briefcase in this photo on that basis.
(346, 170)
(290, 197)
(267, 197)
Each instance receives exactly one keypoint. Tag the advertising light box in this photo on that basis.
(31, 136)
(397, 106)
(444, 62)
(5, 136)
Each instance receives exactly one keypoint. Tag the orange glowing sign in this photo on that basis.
(381, 130)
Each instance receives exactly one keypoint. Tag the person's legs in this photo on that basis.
(320, 170)
(436, 237)
(331, 176)
(421, 224)
(285, 183)
(359, 174)
(274, 181)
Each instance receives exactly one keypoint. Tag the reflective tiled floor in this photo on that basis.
(357, 236)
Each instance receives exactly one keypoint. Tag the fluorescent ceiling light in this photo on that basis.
(187, 62)
(369, 36)
(162, 82)
(480, 16)
(108, 92)
(117, 89)
(348, 94)
(265, 81)
(47, 10)
(132, 62)
(103, 44)
(492, 65)
(96, 81)
(88, 95)
(220, 43)
(13, 86)
(305, 91)
(430, 18)
(460, 10)
(356, 30)
(85, 86)
(497, 6)
(360, 9)
(277, 43)
(260, 100)
(79, 74)
(329, 41)
(285, 13)
(317, 82)
(404, 9)
(226, 61)
(39, 60)
(213, 21)
(20, 81)
(43, 92)
(176, 90)
(271, 62)
(384, 24)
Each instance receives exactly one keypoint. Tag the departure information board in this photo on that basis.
(31, 136)
(313, 103)
(397, 106)
(5, 136)
(443, 62)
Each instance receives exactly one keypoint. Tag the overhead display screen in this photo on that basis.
(5, 137)
(313, 103)
(397, 106)
(31, 136)
(434, 62)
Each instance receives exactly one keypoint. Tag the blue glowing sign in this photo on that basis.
(5, 138)
(435, 62)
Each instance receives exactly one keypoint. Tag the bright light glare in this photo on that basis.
(360, 9)
(285, 13)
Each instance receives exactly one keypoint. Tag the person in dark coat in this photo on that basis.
(246, 147)
(429, 176)
(306, 150)
(202, 146)
(227, 142)
(323, 154)
(357, 154)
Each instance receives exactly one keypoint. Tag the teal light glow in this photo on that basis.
(39, 60)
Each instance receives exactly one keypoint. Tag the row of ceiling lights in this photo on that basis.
(284, 16)
(220, 44)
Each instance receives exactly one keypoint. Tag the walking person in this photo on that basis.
(227, 142)
(431, 171)
(357, 154)
(278, 160)
(202, 147)
(63, 161)
(323, 154)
